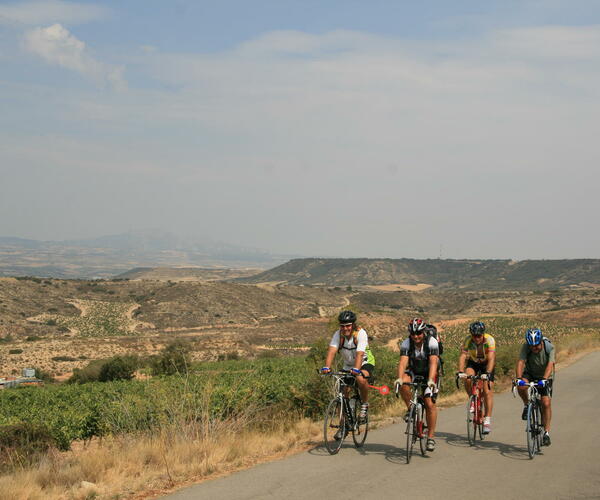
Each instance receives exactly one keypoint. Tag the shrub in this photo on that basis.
(89, 373)
(15, 351)
(32, 338)
(175, 358)
(118, 368)
(24, 443)
(51, 322)
(63, 358)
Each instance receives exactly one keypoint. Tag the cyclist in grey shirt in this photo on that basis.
(536, 364)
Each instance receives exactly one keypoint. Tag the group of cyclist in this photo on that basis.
(420, 355)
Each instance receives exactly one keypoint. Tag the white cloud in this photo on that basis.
(56, 45)
(50, 11)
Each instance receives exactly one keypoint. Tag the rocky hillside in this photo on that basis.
(447, 273)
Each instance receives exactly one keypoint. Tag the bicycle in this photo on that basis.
(342, 414)
(475, 408)
(534, 427)
(416, 423)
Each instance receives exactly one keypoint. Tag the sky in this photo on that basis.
(317, 128)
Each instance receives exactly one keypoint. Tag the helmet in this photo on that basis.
(533, 337)
(417, 325)
(346, 317)
(477, 328)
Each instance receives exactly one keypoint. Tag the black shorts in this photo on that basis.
(480, 368)
(427, 393)
(369, 368)
(544, 391)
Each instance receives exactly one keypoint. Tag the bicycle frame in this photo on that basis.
(416, 425)
(534, 428)
(347, 420)
(477, 404)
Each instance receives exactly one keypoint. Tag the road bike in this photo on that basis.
(342, 414)
(475, 408)
(534, 427)
(416, 423)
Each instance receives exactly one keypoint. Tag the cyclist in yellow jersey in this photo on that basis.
(478, 357)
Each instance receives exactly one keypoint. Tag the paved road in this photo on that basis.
(499, 467)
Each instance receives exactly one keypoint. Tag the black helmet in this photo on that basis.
(346, 317)
(477, 328)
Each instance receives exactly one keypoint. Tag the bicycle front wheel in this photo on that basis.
(422, 429)
(539, 429)
(334, 427)
(410, 434)
(471, 406)
(361, 428)
(531, 430)
(480, 412)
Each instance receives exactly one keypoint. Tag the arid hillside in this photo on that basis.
(446, 273)
(59, 325)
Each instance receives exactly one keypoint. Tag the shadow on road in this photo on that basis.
(506, 450)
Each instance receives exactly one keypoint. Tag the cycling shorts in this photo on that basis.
(427, 393)
(544, 391)
(480, 368)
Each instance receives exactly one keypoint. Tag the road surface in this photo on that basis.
(497, 468)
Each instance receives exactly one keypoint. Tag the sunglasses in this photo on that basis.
(417, 333)
(477, 334)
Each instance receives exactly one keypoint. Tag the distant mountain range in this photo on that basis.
(109, 255)
(465, 274)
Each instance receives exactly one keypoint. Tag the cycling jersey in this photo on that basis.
(535, 363)
(358, 342)
(419, 359)
(478, 353)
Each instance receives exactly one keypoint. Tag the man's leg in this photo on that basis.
(468, 381)
(546, 412)
(405, 391)
(488, 397)
(431, 415)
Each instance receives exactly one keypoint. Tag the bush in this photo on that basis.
(24, 443)
(63, 358)
(175, 358)
(89, 373)
(15, 351)
(118, 368)
(32, 338)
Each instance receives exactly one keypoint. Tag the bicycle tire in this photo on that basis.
(360, 429)
(335, 421)
(531, 429)
(422, 430)
(410, 433)
(539, 428)
(480, 418)
(471, 420)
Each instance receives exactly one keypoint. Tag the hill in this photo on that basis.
(446, 273)
(107, 256)
(186, 273)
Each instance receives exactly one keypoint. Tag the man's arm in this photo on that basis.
(491, 361)
(433, 366)
(520, 368)
(359, 358)
(331, 352)
(462, 361)
(549, 369)
(402, 365)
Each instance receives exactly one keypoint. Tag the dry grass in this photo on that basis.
(142, 466)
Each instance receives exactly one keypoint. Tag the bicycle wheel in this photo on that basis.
(334, 426)
(531, 430)
(422, 429)
(360, 429)
(471, 420)
(410, 433)
(539, 429)
(480, 417)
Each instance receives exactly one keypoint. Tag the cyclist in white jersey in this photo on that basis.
(352, 342)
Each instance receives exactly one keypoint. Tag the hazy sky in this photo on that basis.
(348, 128)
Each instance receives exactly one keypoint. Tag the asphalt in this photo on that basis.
(498, 467)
